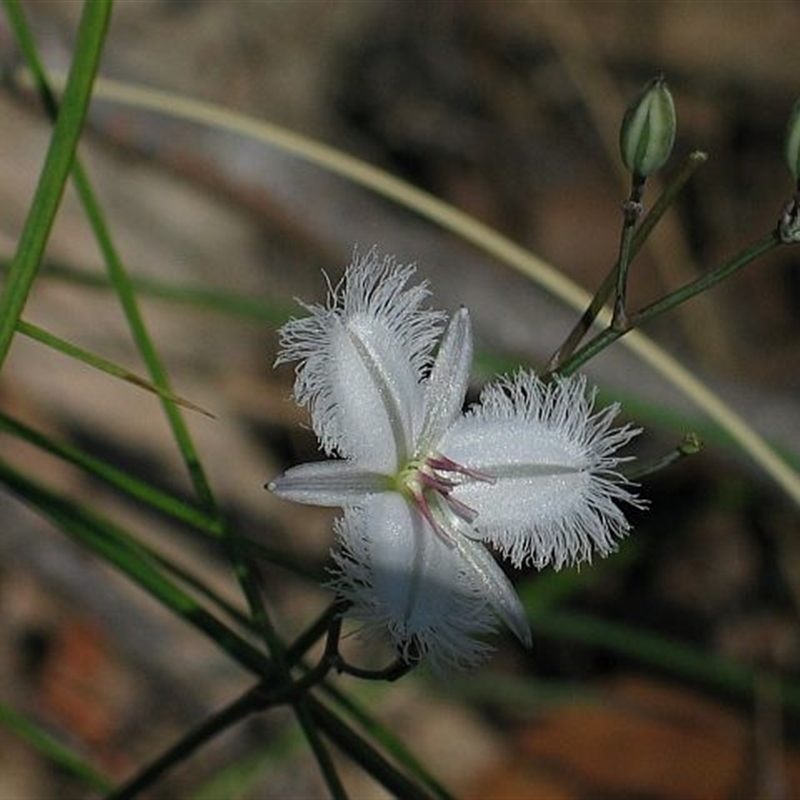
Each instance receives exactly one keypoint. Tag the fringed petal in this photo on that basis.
(402, 578)
(362, 358)
(557, 492)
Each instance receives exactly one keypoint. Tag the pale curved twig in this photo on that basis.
(469, 229)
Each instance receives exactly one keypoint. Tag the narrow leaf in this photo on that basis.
(56, 752)
(58, 161)
(79, 354)
(116, 546)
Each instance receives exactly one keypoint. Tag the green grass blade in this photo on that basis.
(665, 653)
(56, 752)
(130, 305)
(244, 572)
(118, 275)
(216, 299)
(113, 544)
(363, 753)
(58, 161)
(387, 740)
(118, 479)
(153, 498)
(103, 365)
(116, 271)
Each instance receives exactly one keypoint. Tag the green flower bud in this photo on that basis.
(791, 145)
(648, 129)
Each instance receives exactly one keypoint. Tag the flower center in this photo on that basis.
(429, 482)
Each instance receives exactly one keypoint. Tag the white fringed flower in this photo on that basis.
(426, 488)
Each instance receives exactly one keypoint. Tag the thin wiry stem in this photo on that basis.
(188, 744)
(632, 210)
(640, 236)
(668, 302)
(689, 446)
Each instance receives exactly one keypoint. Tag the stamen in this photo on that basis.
(445, 464)
(461, 509)
(439, 529)
(435, 482)
(431, 480)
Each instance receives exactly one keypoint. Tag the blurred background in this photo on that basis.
(509, 111)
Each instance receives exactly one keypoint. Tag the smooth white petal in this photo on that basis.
(496, 588)
(401, 577)
(448, 382)
(556, 496)
(327, 483)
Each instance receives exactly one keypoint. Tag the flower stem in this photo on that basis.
(705, 282)
(632, 210)
(228, 716)
(356, 748)
(668, 302)
(307, 722)
(393, 672)
(690, 445)
(645, 228)
(260, 697)
(306, 640)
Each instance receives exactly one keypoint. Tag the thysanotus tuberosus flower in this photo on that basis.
(426, 488)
